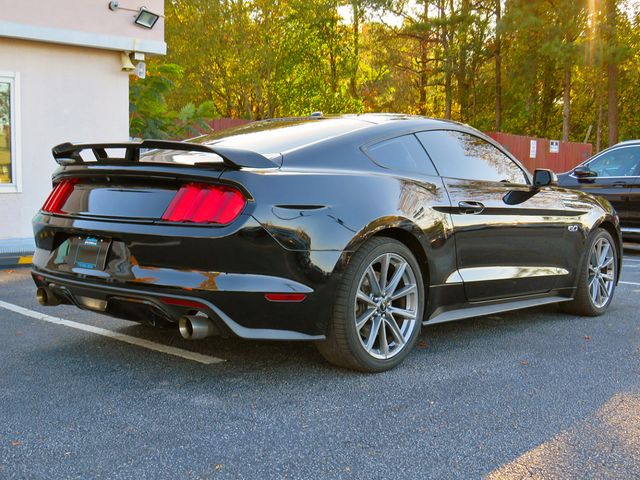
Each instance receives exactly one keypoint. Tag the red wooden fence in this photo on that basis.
(222, 123)
(568, 154)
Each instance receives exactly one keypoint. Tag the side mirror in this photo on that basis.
(544, 178)
(584, 174)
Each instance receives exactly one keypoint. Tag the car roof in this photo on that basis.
(626, 143)
(277, 136)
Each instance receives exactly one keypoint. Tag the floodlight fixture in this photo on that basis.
(146, 18)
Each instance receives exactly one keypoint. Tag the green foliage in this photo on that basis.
(150, 116)
(266, 58)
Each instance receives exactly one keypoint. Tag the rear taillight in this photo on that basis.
(59, 196)
(205, 204)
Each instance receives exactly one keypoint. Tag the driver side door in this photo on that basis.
(510, 240)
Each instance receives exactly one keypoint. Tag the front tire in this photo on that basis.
(597, 278)
(378, 309)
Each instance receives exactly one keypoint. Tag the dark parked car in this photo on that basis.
(349, 231)
(615, 175)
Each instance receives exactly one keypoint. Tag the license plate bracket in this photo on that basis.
(88, 252)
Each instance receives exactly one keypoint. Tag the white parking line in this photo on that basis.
(630, 283)
(196, 357)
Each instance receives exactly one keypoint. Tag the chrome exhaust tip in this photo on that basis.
(196, 327)
(46, 298)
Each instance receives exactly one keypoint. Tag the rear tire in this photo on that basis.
(377, 314)
(597, 278)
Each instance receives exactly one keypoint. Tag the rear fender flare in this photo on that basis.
(379, 227)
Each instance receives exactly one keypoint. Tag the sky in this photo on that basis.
(631, 7)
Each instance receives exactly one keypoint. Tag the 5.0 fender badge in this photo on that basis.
(573, 228)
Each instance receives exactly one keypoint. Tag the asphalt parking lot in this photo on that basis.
(530, 394)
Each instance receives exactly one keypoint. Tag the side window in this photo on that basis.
(465, 156)
(401, 154)
(621, 162)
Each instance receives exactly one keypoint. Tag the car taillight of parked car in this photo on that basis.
(196, 203)
(59, 195)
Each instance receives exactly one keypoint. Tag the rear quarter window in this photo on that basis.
(402, 154)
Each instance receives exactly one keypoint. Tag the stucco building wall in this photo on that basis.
(66, 94)
(63, 60)
(92, 16)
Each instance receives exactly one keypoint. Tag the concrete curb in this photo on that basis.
(15, 260)
(16, 251)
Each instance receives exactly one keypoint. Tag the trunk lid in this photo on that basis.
(140, 180)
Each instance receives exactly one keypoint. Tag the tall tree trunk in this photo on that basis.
(448, 95)
(600, 100)
(498, 67)
(612, 73)
(549, 95)
(614, 135)
(446, 58)
(355, 5)
(424, 79)
(566, 105)
(462, 74)
(424, 60)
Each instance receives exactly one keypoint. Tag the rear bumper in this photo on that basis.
(150, 306)
(223, 272)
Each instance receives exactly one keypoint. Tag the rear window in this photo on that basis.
(275, 137)
(268, 138)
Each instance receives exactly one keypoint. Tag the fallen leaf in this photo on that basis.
(16, 443)
(18, 333)
(587, 338)
(423, 344)
(524, 362)
(9, 271)
(218, 467)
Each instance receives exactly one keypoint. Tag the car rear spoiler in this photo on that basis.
(69, 153)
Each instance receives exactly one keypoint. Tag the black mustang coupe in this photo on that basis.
(351, 231)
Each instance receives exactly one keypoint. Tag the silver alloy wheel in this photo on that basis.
(386, 306)
(602, 272)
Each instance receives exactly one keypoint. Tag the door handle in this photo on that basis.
(619, 184)
(473, 208)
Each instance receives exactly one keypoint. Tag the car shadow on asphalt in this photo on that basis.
(250, 354)
(245, 355)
